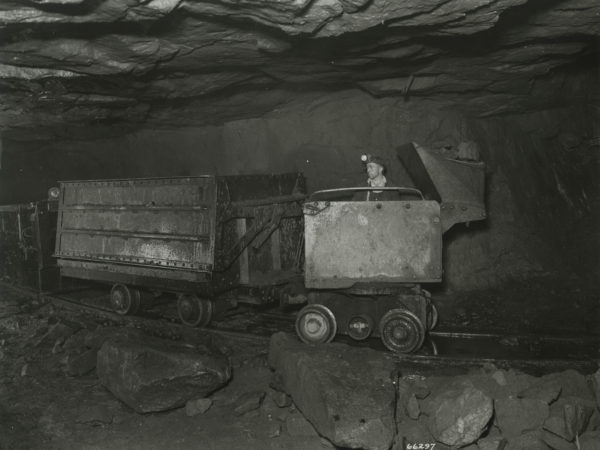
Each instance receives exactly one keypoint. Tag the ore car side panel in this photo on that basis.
(163, 226)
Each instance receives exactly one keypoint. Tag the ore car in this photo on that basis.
(204, 238)
(365, 261)
(27, 233)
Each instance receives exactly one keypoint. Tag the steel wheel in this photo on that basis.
(124, 300)
(316, 324)
(401, 331)
(194, 311)
(432, 317)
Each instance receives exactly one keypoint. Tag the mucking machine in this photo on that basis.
(365, 261)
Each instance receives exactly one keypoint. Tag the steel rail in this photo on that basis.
(419, 363)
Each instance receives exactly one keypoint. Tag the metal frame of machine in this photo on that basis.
(365, 261)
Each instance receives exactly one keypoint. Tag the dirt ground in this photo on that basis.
(42, 407)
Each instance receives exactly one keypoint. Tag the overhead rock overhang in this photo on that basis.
(79, 62)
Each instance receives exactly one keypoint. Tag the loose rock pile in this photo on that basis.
(342, 390)
(327, 395)
(146, 373)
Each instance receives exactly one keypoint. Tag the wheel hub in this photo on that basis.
(118, 299)
(187, 308)
(401, 331)
(316, 324)
(360, 327)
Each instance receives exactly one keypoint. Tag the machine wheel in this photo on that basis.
(432, 317)
(401, 331)
(125, 300)
(316, 324)
(194, 311)
(360, 327)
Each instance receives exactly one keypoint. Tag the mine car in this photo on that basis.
(204, 238)
(365, 261)
(220, 240)
(27, 233)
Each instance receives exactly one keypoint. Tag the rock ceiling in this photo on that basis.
(183, 62)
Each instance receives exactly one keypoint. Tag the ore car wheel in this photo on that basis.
(124, 300)
(316, 324)
(401, 331)
(432, 317)
(194, 311)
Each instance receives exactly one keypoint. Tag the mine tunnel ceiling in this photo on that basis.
(176, 63)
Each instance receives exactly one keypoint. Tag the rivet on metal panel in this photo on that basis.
(463, 208)
(378, 206)
(436, 220)
(407, 205)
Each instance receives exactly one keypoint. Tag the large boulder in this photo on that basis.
(569, 417)
(590, 440)
(516, 416)
(151, 374)
(556, 442)
(532, 440)
(347, 393)
(459, 414)
(544, 390)
(572, 383)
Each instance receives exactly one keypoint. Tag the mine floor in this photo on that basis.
(42, 407)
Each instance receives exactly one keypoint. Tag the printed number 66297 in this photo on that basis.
(420, 446)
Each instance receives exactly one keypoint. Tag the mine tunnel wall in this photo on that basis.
(542, 192)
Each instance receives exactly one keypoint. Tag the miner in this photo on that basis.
(375, 167)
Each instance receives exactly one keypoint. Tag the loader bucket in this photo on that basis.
(457, 185)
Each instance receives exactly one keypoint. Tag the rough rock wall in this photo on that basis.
(544, 190)
(540, 191)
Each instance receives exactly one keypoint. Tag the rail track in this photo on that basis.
(445, 350)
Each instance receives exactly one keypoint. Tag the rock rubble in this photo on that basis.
(151, 374)
(486, 409)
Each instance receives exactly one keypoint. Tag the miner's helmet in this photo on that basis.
(367, 158)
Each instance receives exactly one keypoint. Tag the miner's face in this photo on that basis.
(374, 170)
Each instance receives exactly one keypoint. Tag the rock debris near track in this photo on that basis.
(458, 416)
(348, 395)
(309, 398)
(151, 374)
